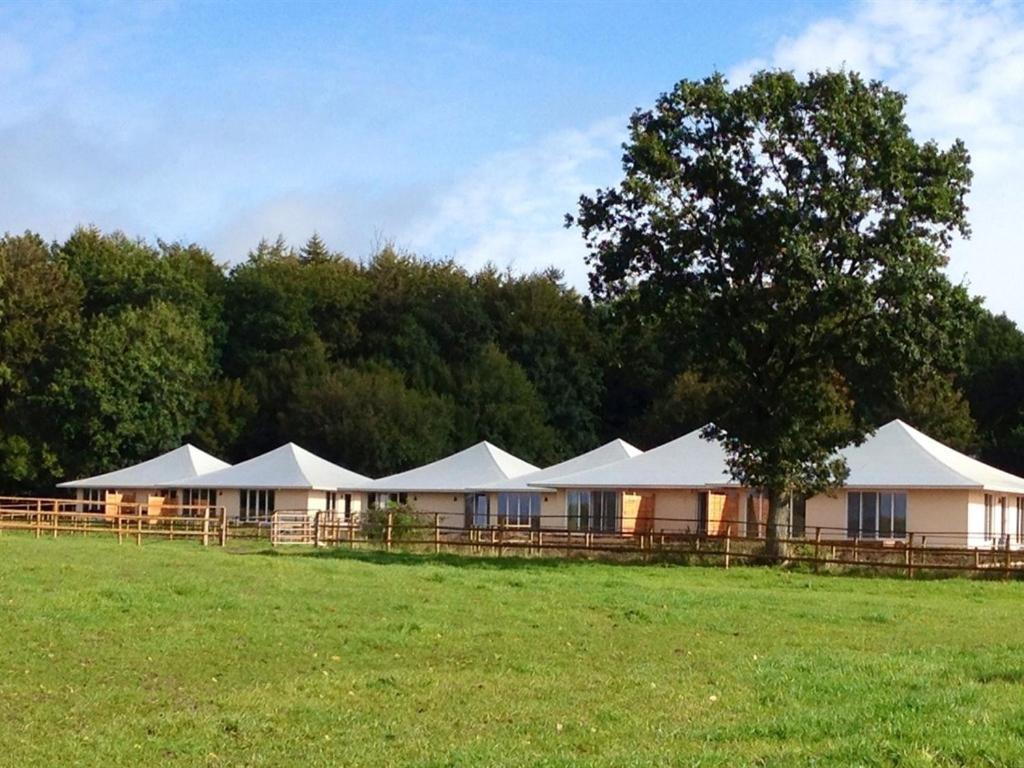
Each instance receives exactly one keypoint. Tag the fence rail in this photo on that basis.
(824, 549)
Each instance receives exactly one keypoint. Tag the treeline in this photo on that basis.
(114, 349)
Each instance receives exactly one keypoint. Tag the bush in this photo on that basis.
(405, 524)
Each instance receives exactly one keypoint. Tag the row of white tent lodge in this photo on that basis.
(900, 481)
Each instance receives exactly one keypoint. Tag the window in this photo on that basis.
(519, 510)
(197, 497)
(348, 507)
(478, 513)
(332, 501)
(255, 505)
(989, 514)
(872, 514)
(1020, 519)
(593, 511)
(374, 500)
(756, 513)
(702, 512)
(97, 497)
(798, 507)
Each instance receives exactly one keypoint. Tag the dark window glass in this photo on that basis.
(852, 515)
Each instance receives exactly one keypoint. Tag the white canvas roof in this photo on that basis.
(609, 453)
(287, 467)
(689, 461)
(477, 465)
(180, 464)
(898, 456)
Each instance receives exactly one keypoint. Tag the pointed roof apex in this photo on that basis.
(897, 455)
(182, 463)
(689, 461)
(476, 465)
(288, 466)
(609, 453)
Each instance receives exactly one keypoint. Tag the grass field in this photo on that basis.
(170, 654)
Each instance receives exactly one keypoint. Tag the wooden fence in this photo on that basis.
(823, 549)
(127, 521)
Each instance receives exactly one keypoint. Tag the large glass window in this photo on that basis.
(989, 514)
(191, 498)
(1020, 519)
(593, 511)
(798, 505)
(871, 514)
(97, 497)
(519, 510)
(255, 505)
(478, 512)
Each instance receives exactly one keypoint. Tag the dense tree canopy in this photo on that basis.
(773, 244)
(794, 232)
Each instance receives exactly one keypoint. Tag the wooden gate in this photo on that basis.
(291, 527)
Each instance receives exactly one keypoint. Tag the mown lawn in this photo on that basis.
(170, 654)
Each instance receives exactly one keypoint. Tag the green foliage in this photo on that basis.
(406, 525)
(369, 419)
(793, 231)
(133, 387)
(39, 328)
(994, 385)
(497, 399)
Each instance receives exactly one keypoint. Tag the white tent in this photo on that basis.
(286, 467)
(609, 453)
(899, 456)
(689, 461)
(172, 469)
(470, 468)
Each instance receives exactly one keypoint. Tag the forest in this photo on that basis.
(114, 349)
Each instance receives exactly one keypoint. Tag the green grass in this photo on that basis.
(170, 654)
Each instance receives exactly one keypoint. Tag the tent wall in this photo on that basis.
(945, 515)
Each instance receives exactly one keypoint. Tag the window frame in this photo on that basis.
(898, 503)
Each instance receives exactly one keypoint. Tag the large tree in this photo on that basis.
(794, 231)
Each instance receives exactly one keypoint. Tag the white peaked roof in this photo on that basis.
(898, 456)
(689, 461)
(287, 467)
(609, 453)
(470, 468)
(182, 463)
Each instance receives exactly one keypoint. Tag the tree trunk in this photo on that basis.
(778, 526)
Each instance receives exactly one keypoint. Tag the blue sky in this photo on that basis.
(461, 129)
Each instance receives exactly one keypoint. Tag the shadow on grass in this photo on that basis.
(457, 560)
(676, 560)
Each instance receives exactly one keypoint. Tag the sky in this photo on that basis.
(463, 130)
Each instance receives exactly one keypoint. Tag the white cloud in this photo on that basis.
(510, 210)
(962, 68)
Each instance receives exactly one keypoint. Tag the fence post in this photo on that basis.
(728, 538)
(540, 543)
(138, 526)
(56, 517)
(120, 525)
(1006, 557)
(856, 549)
(437, 533)
(501, 539)
(224, 526)
(387, 531)
(817, 546)
(39, 518)
(316, 528)
(568, 542)
(351, 534)
(206, 527)
(910, 556)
